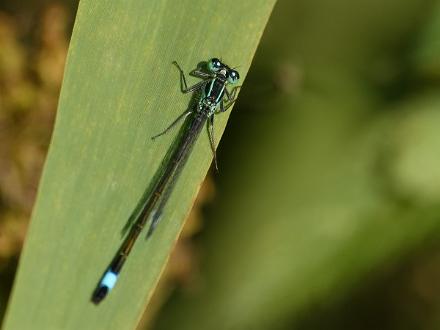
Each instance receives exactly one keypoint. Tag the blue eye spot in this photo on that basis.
(214, 65)
(233, 76)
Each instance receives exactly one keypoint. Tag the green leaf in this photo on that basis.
(120, 89)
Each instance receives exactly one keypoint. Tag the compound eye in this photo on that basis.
(214, 65)
(233, 76)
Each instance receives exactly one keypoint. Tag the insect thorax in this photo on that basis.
(208, 106)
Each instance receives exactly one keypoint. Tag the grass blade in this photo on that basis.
(119, 89)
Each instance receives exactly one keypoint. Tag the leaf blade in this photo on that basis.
(119, 89)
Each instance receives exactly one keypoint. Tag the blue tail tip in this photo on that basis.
(107, 283)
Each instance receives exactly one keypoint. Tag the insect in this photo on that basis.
(214, 98)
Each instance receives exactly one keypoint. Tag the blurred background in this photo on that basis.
(326, 210)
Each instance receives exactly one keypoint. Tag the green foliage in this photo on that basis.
(332, 173)
(119, 89)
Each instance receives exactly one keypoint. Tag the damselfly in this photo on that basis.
(214, 98)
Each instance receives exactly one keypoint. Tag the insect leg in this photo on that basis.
(174, 123)
(211, 139)
(231, 97)
(200, 74)
(183, 85)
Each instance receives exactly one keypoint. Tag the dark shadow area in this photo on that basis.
(401, 295)
(7, 275)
